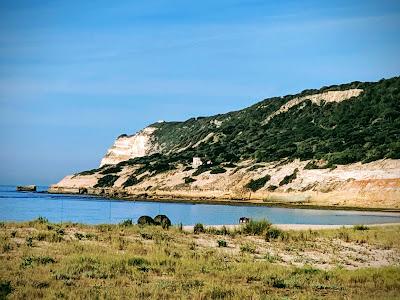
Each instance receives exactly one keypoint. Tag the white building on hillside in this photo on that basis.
(196, 162)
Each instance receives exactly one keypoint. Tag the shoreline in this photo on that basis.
(295, 227)
(281, 226)
(214, 201)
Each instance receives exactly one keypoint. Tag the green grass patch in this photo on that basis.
(360, 227)
(138, 262)
(256, 227)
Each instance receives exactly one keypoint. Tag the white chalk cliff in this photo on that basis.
(126, 147)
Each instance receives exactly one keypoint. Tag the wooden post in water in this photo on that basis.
(109, 217)
(62, 209)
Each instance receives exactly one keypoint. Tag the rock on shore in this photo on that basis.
(26, 188)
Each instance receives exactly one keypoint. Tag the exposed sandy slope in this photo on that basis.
(375, 184)
(329, 96)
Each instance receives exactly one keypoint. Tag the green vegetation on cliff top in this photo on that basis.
(364, 128)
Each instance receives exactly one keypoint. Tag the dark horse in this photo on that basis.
(244, 220)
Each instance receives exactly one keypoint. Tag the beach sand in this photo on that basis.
(189, 228)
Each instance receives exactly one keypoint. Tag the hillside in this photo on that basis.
(340, 142)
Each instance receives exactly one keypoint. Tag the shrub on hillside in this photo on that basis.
(272, 188)
(106, 181)
(256, 184)
(111, 170)
(132, 180)
(254, 167)
(201, 169)
(229, 165)
(314, 165)
(217, 170)
(189, 180)
(289, 178)
(88, 172)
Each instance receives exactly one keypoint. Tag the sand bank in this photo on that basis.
(189, 228)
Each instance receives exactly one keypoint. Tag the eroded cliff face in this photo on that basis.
(375, 184)
(326, 97)
(126, 147)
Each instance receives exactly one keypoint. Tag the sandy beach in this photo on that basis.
(297, 227)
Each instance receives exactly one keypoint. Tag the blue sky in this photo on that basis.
(76, 74)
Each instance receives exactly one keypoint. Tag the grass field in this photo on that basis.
(73, 261)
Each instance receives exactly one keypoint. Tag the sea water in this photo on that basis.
(24, 206)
